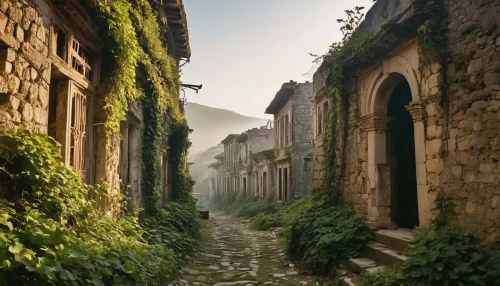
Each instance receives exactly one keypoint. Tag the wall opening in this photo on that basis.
(285, 184)
(280, 185)
(264, 184)
(401, 153)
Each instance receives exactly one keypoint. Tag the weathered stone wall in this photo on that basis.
(24, 67)
(302, 140)
(471, 173)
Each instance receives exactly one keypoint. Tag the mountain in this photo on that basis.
(212, 125)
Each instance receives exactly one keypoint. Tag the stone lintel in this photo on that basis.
(374, 122)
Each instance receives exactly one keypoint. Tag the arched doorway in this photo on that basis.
(401, 157)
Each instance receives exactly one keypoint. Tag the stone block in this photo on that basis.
(470, 207)
(457, 171)
(7, 55)
(477, 126)
(30, 13)
(491, 78)
(435, 166)
(5, 116)
(433, 180)
(433, 148)
(487, 178)
(27, 112)
(15, 13)
(487, 167)
(5, 67)
(40, 116)
(479, 142)
(13, 83)
(470, 177)
(464, 145)
(3, 22)
(479, 106)
(475, 66)
(13, 102)
(495, 202)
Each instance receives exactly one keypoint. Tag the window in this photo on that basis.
(282, 133)
(287, 123)
(81, 60)
(280, 185)
(325, 114)
(264, 185)
(319, 119)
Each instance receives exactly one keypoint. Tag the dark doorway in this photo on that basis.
(280, 185)
(285, 185)
(401, 151)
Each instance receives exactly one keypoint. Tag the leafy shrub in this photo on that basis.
(323, 236)
(51, 234)
(446, 256)
(177, 226)
(384, 277)
(266, 221)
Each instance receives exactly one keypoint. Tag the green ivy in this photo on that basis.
(52, 234)
(323, 236)
(446, 256)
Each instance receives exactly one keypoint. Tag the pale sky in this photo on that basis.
(244, 50)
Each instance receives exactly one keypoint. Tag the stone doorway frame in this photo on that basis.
(374, 123)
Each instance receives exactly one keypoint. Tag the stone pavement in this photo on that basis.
(231, 254)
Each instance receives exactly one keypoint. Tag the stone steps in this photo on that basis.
(387, 249)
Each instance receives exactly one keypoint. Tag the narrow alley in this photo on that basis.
(231, 254)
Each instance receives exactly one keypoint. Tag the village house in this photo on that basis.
(292, 110)
(51, 58)
(263, 170)
(234, 168)
(415, 128)
(216, 176)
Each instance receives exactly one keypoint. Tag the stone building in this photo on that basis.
(415, 128)
(216, 176)
(263, 170)
(51, 58)
(292, 110)
(237, 170)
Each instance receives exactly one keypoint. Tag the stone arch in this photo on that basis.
(382, 85)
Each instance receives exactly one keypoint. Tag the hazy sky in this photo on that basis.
(243, 50)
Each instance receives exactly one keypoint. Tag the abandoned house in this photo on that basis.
(216, 176)
(234, 167)
(51, 55)
(403, 144)
(263, 170)
(292, 110)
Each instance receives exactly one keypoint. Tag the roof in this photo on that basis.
(220, 156)
(177, 23)
(282, 97)
(229, 137)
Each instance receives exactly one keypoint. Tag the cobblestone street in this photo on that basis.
(234, 255)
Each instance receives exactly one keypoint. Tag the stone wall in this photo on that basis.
(24, 67)
(302, 130)
(471, 171)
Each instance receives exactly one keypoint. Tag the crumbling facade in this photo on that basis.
(417, 128)
(51, 55)
(234, 168)
(292, 110)
(216, 176)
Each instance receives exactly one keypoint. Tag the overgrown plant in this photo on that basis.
(51, 234)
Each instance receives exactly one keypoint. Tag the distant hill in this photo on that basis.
(211, 125)
(199, 170)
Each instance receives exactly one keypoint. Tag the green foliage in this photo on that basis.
(266, 221)
(176, 226)
(51, 234)
(323, 236)
(384, 277)
(121, 84)
(244, 206)
(447, 256)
